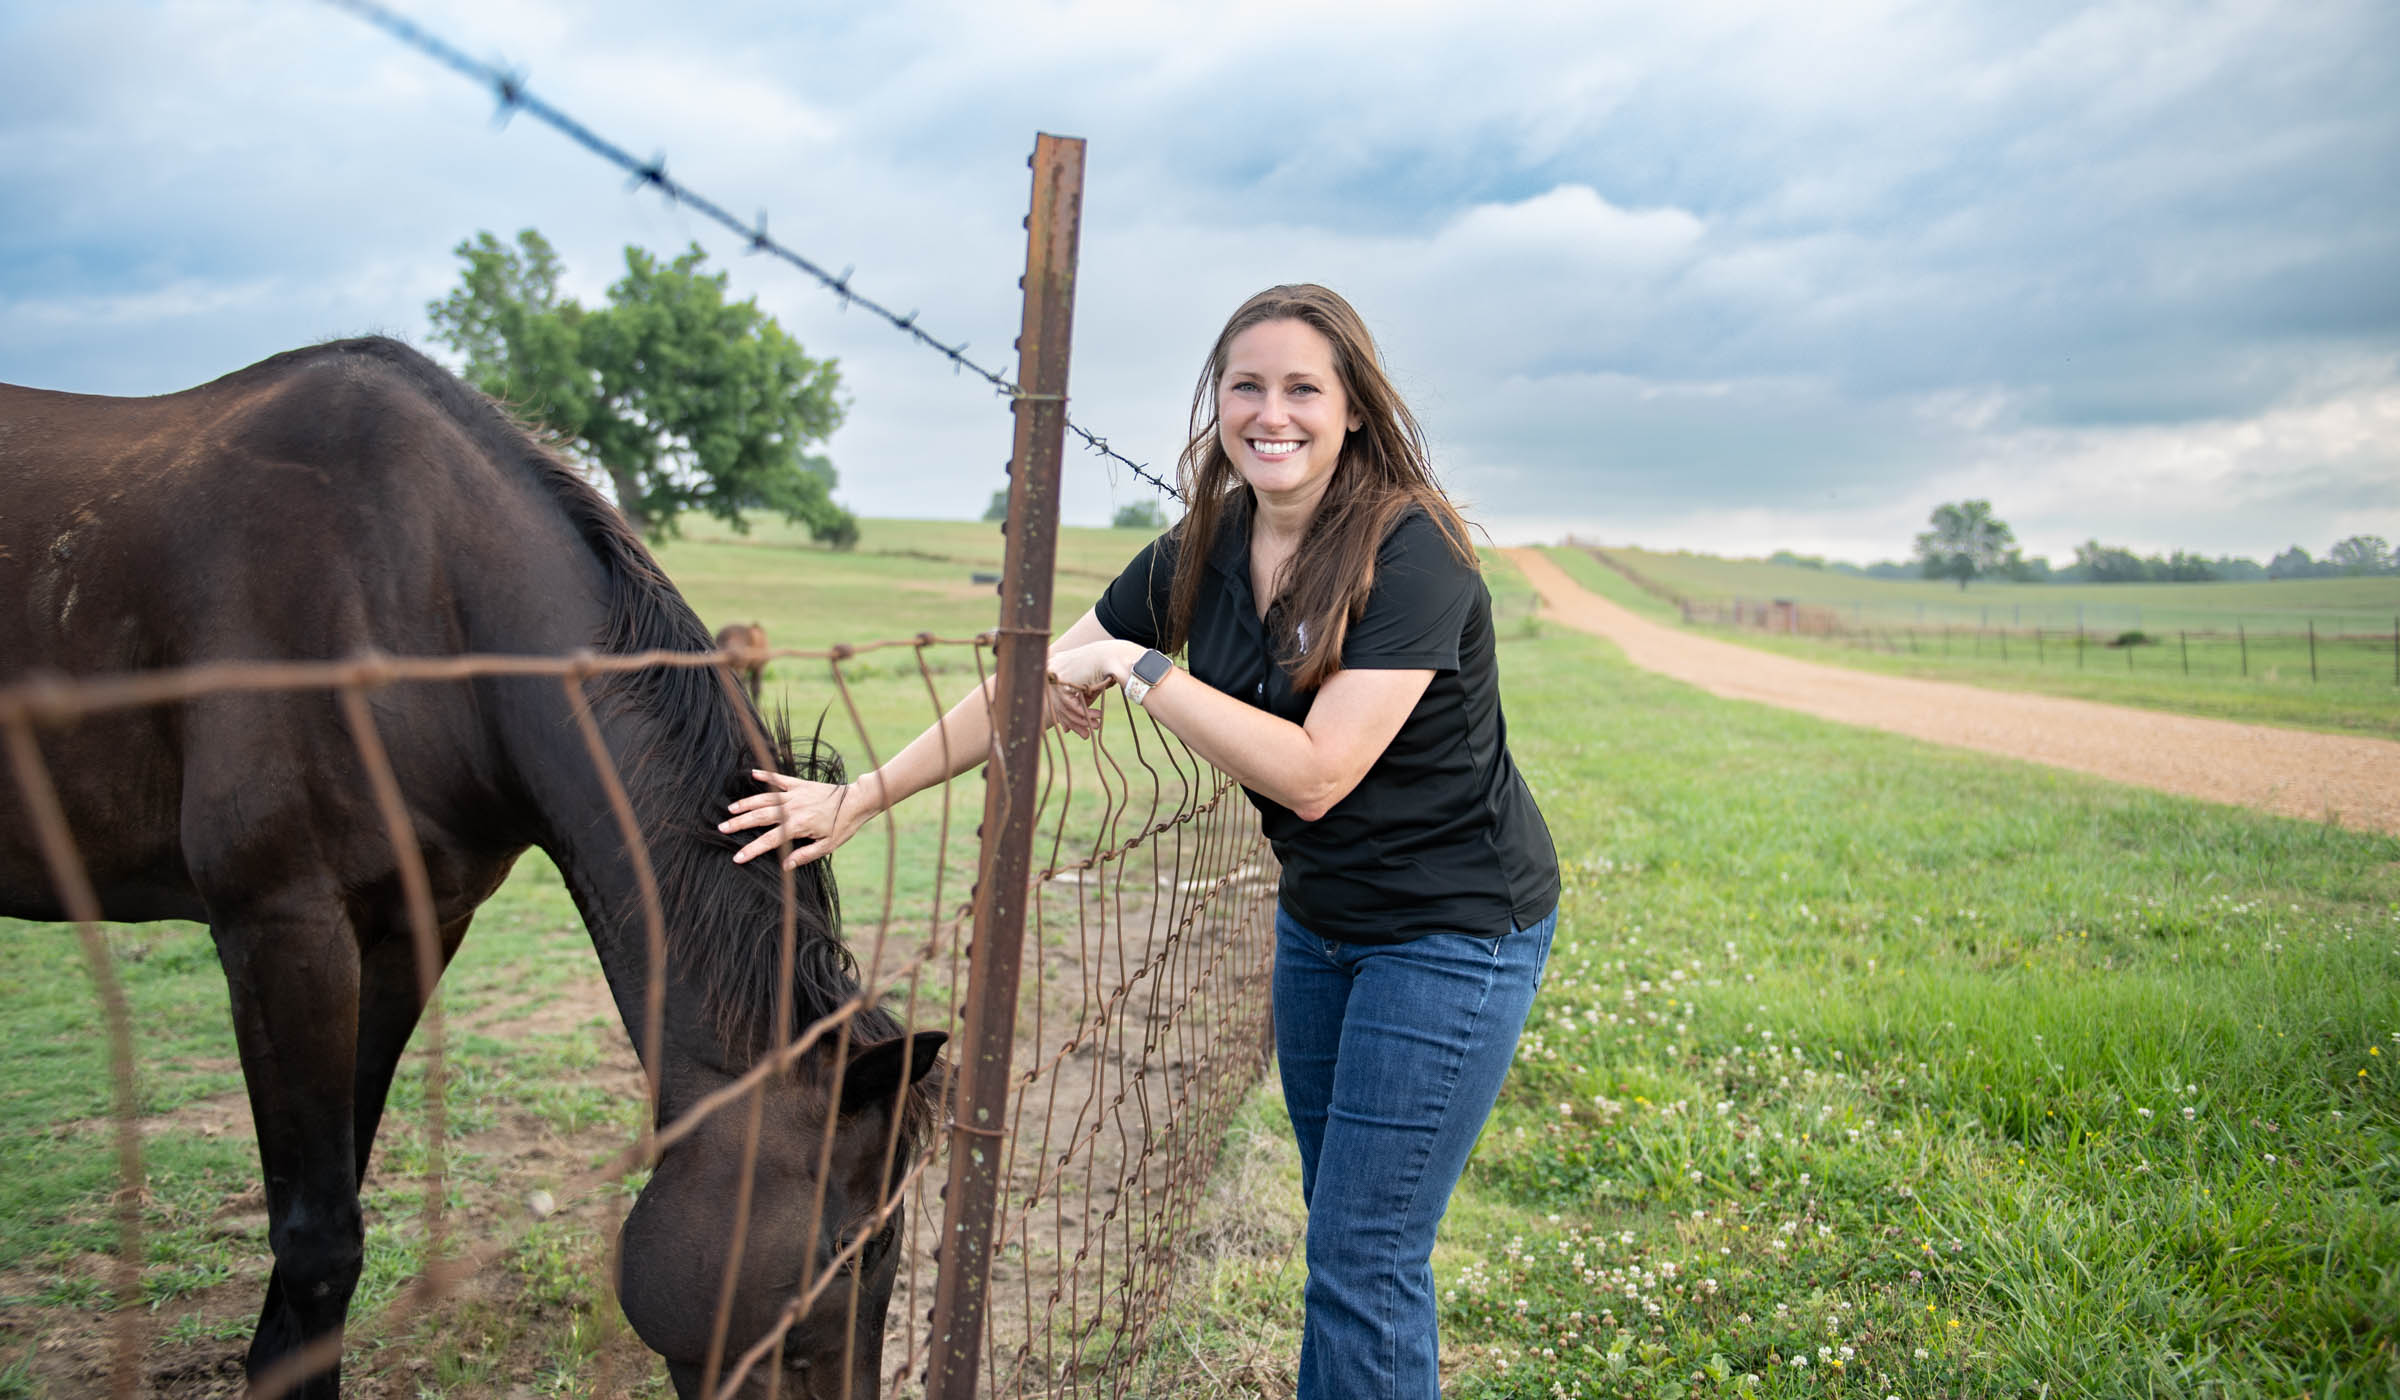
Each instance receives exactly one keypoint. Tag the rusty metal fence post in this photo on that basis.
(979, 1128)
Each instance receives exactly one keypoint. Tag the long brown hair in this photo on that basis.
(1384, 469)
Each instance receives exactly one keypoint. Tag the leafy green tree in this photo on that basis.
(1141, 515)
(1966, 542)
(2103, 563)
(998, 509)
(2292, 563)
(684, 399)
(2361, 554)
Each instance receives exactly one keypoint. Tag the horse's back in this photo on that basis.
(311, 506)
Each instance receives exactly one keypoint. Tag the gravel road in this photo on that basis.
(2348, 779)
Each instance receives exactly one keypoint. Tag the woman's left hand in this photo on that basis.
(1093, 669)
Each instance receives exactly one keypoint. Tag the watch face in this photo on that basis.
(1153, 667)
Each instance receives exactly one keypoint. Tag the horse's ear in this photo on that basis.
(877, 1073)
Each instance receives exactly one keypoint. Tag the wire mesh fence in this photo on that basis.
(2345, 649)
(1141, 1024)
(338, 822)
(2308, 654)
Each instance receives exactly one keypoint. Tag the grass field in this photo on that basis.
(2356, 693)
(1861, 1068)
(2279, 605)
(1869, 1068)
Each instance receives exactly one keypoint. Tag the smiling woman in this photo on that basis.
(1338, 658)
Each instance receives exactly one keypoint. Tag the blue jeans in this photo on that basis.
(1391, 1059)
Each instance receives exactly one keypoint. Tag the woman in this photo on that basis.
(1338, 645)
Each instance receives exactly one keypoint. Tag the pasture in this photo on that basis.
(1861, 1068)
(2259, 675)
(2278, 605)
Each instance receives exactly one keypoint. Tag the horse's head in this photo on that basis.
(680, 1234)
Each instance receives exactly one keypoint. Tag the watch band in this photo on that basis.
(1147, 672)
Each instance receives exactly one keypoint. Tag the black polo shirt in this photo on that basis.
(1441, 835)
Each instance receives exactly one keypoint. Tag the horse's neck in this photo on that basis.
(584, 835)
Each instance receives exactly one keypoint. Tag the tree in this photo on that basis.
(683, 399)
(1966, 542)
(2361, 554)
(2292, 563)
(998, 509)
(2101, 563)
(1141, 515)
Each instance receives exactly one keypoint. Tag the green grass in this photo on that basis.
(1849, 1042)
(2279, 605)
(546, 1318)
(1900, 1009)
(2356, 695)
(203, 1231)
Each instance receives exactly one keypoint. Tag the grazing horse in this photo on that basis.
(356, 495)
(748, 643)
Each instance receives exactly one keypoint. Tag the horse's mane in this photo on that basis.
(724, 919)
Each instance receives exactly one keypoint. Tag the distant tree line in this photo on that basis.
(1144, 514)
(1968, 542)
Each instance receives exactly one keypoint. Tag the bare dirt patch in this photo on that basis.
(1097, 1154)
(1120, 1032)
(55, 1316)
(2345, 779)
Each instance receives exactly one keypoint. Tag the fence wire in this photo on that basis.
(1141, 1024)
(509, 89)
(2348, 650)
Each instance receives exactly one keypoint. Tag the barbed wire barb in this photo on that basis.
(514, 95)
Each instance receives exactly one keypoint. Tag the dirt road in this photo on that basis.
(2348, 779)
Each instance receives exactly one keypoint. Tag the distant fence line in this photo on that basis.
(2342, 652)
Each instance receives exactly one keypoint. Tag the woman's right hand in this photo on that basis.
(815, 817)
(1076, 711)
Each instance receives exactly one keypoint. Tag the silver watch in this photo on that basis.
(1147, 672)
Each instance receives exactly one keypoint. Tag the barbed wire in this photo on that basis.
(510, 88)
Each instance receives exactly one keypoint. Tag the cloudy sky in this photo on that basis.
(1729, 275)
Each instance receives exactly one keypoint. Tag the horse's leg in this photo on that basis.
(388, 1007)
(292, 969)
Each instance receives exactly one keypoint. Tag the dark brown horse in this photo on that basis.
(355, 495)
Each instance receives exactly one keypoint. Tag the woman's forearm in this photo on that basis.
(957, 742)
(962, 738)
(1307, 768)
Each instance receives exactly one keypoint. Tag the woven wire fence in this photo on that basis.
(1141, 1024)
(2341, 648)
(1145, 929)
